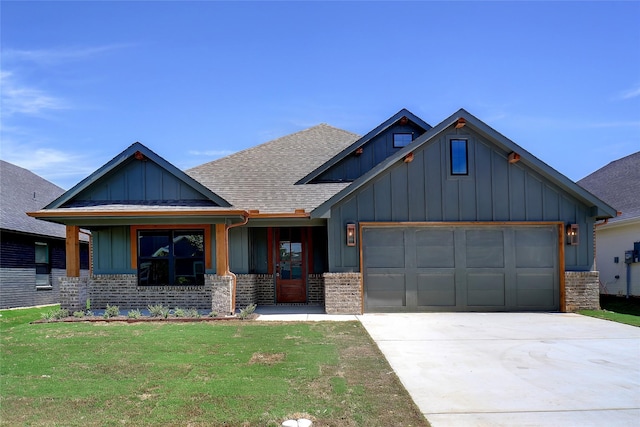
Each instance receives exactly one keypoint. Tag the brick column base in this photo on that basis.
(221, 294)
(342, 294)
(582, 290)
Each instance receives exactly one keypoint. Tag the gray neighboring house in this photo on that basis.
(408, 217)
(32, 252)
(618, 241)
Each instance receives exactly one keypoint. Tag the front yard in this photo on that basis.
(239, 373)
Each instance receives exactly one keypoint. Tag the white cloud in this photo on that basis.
(57, 55)
(19, 98)
(631, 93)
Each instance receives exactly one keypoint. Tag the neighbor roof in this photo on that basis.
(264, 177)
(22, 191)
(618, 184)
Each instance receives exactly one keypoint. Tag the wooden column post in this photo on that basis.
(221, 250)
(72, 249)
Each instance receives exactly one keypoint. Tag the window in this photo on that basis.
(459, 158)
(171, 257)
(43, 267)
(402, 139)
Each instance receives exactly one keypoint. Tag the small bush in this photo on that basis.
(179, 312)
(111, 311)
(213, 314)
(78, 314)
(55, 314)
(134, 314)
(246, 312)
(192, 312)
(158, 310)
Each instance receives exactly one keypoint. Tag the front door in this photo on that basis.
(291, 275)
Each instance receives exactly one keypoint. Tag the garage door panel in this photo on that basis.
(486, 289)
(535, 248)
(536, 289)
(385, 289)
(434, 248)
(484, 248)
(436, 289)
(386, 256)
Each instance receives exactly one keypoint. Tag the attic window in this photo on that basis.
(459, 157)
(402, 139)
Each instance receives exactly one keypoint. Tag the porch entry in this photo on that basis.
(291, 264)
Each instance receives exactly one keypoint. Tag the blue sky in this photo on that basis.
(194, 81)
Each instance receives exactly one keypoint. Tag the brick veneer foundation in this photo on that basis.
(582, 290)
(123, 291)
(342, 293)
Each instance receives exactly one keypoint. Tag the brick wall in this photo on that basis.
(315, 289)
(342, 293)
(582, 290)
(123, 291)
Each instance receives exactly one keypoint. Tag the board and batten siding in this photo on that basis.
(139, 181)
(424, 191)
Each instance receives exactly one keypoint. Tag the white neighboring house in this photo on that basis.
(618, 184)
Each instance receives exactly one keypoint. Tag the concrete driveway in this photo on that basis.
(514, 369)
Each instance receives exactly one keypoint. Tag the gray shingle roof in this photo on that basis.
(23, 191)
(618, 184)
(263, 177)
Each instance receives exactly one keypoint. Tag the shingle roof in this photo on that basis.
(618, 184)
(23, 191)
(263, 177)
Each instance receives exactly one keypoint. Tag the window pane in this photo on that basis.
(42, 253)
(402, 139)
(154, 272)
(188, 244)
(153, 244)
(189, 272)
(459, 157)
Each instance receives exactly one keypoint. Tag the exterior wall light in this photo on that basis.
(573, 234)
(351, 234)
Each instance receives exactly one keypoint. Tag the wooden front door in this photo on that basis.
(291, 277)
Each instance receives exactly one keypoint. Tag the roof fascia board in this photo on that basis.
(363, 140)
(123, 157)
(602, 209)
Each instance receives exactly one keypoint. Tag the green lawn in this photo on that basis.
(238, 373)
(617, 309)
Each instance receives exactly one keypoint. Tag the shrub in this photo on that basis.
(134, 314)
(158, 310)
(111, 311)
(246, 312)
(192, 312)
(78, 314)
(55, 314)
(213, 314)
(179, 312)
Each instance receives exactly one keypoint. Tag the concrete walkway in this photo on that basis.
(299, 314)
(514, 369)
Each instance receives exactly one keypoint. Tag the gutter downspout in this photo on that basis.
(229, 272)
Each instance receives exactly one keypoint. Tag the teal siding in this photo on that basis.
(494, 190)
(239, 250)
(112, 251)
(139, 181)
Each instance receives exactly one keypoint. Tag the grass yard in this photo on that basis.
(195, 374)
(617, 309)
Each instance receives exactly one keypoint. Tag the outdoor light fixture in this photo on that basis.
(573, 234)
(351, 234)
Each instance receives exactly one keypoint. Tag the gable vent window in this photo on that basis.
(402, 139)
(171, 257)
(459, 157)
(43, 267)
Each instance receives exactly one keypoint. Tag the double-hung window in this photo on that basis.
(171, 257)
(43, 266)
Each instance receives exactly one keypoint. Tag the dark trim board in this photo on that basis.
(461, 266)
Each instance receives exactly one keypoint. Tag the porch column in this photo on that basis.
(72, 249)
(221, 250)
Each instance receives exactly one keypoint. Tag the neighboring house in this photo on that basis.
(408, 217)
(32, 252)
(618, 184)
